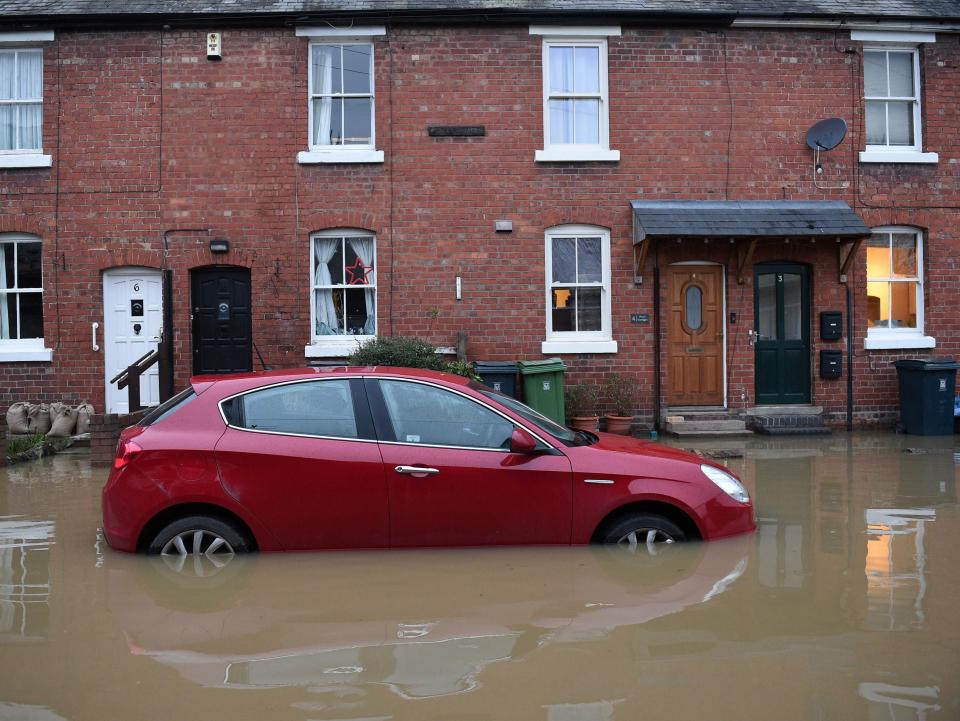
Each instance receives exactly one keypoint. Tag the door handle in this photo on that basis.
(413, 470)
(93, 330)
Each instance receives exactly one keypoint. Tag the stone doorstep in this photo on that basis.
(788, 410)
(680, 432)
(793, 431)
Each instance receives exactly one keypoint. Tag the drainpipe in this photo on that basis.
(849, 358)
(656, 336)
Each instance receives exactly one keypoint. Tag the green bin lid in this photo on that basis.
(933, 364)
(548, 365)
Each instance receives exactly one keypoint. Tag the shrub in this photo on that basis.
(580, 400)
(397, 351)
(462, 368)
(21, 445)
(622, 392)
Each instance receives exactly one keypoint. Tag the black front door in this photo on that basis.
(222, 336)
(782, 325)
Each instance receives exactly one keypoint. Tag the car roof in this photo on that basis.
(245, 381)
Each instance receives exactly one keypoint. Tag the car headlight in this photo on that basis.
(727, 483)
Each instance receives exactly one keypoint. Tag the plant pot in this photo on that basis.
(585, 423)
(619, 424)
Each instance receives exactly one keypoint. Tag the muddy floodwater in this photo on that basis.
(844, 605)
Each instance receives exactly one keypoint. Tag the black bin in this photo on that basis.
(499, 375)
(927, 388)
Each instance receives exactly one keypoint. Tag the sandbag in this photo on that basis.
(38, 418)
(63, 420)
(84, 414)
(17, 419)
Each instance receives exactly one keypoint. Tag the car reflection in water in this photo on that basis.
(412, 622)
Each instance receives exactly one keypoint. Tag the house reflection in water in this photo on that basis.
(24, 578)
(895, 563)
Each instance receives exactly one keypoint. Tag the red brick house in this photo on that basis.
(626, 185)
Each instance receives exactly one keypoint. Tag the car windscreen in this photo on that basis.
(168, 407)
(527, 413)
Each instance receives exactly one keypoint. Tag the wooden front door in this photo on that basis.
(782, 349)
(695, 335)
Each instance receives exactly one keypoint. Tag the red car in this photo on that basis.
(354, 457)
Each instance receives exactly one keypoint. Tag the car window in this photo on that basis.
(168, 407)
(315, 408)
(434, 416)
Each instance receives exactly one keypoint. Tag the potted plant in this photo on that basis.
(620, 392)
(581, 403)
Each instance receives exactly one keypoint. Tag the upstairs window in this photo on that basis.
(341, 94)
(892, 95)
(21, 106)
(575, 94)
(891, 81)
(341, 90)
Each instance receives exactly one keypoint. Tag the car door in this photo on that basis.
(302, 458)
(472, 489)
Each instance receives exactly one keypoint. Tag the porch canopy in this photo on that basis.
(751, 220)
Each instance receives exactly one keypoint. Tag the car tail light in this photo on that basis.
(126, 452)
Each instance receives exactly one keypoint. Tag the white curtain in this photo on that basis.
(4, 321)
(325, 314)
(323, 83)
(7, 92)
(364, 248)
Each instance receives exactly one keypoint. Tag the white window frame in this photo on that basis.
(338, 346)
(23, 349)
(14, 42)
(577, 37)
(600, 341)
(896, 338)
(341, 153)
(903, 42)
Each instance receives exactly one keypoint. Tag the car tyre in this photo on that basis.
(642, 531)
(197, 536)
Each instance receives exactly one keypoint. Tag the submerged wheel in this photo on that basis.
(199, 537)
(643, 531)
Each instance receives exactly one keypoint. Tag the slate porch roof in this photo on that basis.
(746, 219)
(913, 9)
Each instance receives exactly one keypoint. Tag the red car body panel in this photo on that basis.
(328, 494)
(477, 498)
(298, 492)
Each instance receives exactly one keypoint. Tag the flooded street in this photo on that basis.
(843, 605)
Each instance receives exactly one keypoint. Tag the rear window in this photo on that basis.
(168, 407)
(313, 408)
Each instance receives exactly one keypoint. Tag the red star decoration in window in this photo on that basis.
(358, 272)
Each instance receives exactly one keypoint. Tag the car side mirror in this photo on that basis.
(522, 442)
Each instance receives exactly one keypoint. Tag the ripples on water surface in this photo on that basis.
(844, 605)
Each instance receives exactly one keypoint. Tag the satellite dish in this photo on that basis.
(827, 134)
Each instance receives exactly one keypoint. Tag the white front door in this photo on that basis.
(132, 318)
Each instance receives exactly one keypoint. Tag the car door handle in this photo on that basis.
(412, 470)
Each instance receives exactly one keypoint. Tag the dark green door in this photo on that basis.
(781, 296)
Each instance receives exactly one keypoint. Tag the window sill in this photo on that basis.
(314, 157)
(908, 156)
(576, 155)
(893, 342)
(9, 355)
(26, 160)
(339, 348)
(578, 346)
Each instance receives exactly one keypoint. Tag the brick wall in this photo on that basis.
(156, 151)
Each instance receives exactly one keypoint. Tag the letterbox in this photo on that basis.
(831, 325)
(831, 364)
